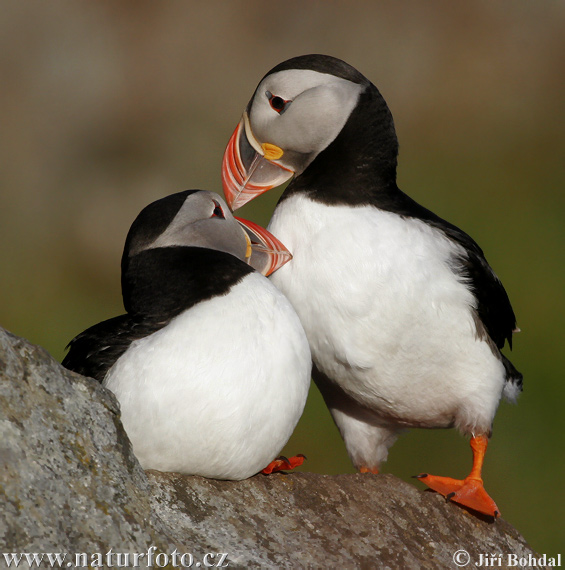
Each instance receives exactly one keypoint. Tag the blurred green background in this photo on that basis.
(106, 106)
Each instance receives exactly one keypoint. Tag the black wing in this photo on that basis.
(93, 352)
(493, 305)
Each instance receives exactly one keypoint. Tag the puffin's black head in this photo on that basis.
(188, 247)
(307, 110)
(322, 64)
(198, 218)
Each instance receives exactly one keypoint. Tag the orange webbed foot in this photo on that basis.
(365, 469)
(469, 492)
(284, 464)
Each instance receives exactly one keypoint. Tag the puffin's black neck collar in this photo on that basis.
(163, 282)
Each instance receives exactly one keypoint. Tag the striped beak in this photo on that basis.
(265, 252)
(248, 167)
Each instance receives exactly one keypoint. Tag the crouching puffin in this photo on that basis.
(210, 363)
(404, 316)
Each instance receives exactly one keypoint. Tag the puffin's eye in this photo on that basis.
(218, 212)
(279, 104)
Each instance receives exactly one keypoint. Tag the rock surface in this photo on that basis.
(306, 520)
(68, 478)
(69, 483)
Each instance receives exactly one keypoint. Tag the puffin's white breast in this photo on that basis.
(219, 390)
(386, 316)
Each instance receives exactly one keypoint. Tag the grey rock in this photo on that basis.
(70, 483)
(306, 520)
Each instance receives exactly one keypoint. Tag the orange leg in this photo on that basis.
(284, 464)
(364, 469)
(469, 492)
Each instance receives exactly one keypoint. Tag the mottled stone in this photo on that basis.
(69, 482)
(306, 520)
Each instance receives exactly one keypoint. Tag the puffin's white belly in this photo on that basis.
(219, 390)
(386, 317)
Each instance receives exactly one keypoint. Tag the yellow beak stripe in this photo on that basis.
(271, 151)
(248, 250)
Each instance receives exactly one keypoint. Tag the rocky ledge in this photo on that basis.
(70, 485)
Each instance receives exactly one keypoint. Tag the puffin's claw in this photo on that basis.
(284, 464)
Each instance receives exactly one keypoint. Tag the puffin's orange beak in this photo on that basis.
(267, 252)
(248, 168)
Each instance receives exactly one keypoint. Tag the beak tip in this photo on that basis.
(271, 252)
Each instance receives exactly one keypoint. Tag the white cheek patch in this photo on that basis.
(321, 105)
(316, 117)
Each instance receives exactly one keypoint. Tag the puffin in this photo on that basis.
(210, 363)
(405, 318)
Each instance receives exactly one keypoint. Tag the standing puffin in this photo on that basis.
(404, 316)
(210, 363)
